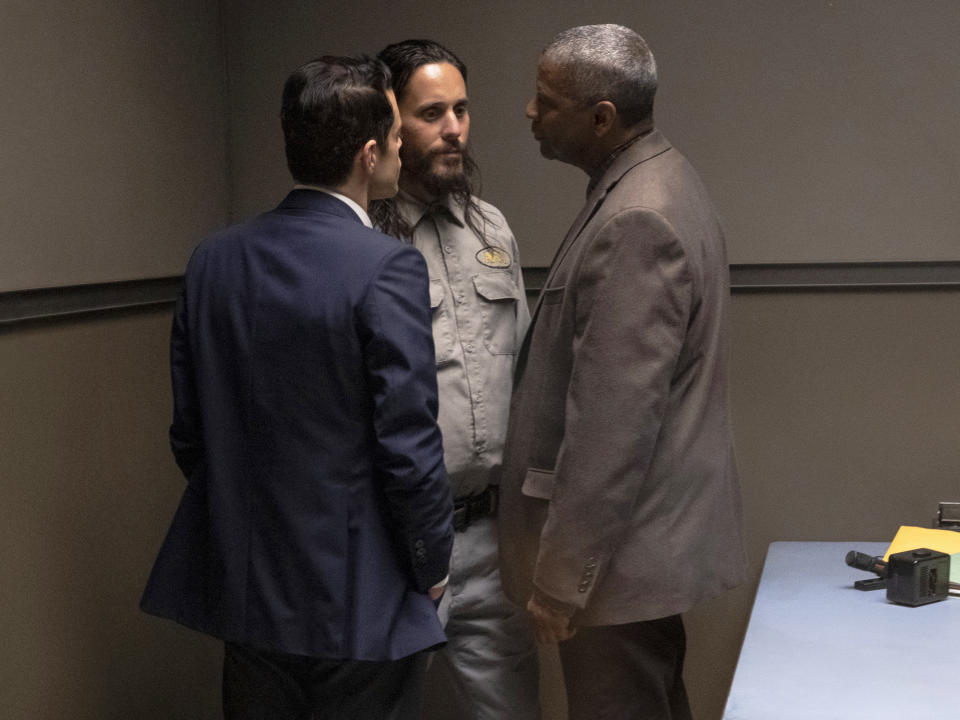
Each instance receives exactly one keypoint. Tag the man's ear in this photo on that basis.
(368, 156)
(604, 117)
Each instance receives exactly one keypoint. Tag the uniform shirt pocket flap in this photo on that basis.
(436, 294)
(538, 484)
(496, 286)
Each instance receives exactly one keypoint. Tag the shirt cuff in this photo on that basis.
(441, 583)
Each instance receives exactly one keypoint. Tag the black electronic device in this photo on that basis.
(876, 565)
(913, 577)
(948, 516)
(917, 577)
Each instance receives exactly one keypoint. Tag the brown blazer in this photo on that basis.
(620, 492)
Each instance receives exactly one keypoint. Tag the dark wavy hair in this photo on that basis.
(331, 107)
(403, 59)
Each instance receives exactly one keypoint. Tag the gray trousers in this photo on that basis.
(489, 669)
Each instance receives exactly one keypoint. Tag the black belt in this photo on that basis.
(468, 509)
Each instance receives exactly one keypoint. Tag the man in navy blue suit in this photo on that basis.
(314, 534)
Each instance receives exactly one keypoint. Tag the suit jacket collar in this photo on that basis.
(317, 201)
(640, 150)
(645, 148)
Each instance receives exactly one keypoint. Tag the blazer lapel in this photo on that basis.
(647, 147)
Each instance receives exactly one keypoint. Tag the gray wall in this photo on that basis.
(824, 130)
(88, 489)
(113, 128)
(846, 403)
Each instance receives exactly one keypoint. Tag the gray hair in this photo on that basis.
(607, 62)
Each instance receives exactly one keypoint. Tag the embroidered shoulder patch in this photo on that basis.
(493, 257)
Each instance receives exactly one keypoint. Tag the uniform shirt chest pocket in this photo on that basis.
(444, 325)
(497, 295)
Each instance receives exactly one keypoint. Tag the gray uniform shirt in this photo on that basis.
(480, 315)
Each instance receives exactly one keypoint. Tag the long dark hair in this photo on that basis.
(403, 59)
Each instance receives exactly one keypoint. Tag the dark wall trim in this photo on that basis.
(27, 305)
(782, 277)
(844, 276)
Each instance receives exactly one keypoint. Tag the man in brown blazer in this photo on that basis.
(620, 497)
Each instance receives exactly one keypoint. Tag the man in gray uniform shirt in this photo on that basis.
(479, 318)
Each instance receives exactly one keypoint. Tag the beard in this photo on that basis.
(458, 181)
(440, 173)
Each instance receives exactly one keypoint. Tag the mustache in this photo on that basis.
(422, 162)
(456, 146)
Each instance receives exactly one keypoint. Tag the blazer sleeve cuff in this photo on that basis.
(559, 606)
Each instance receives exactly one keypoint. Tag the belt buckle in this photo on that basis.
(470, 508)
(492, 494)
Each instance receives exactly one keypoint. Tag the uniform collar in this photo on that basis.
(414, 210)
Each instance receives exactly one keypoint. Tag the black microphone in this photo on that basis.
(862, 561)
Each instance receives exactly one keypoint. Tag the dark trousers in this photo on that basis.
(626, 672)
(261, 685)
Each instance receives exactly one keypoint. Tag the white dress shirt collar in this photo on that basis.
(361, 213)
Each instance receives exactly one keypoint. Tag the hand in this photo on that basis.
(550, 625)
(436, 592)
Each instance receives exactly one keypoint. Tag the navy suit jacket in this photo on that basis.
(317, 510)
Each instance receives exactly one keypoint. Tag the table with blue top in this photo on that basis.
(818, 649)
